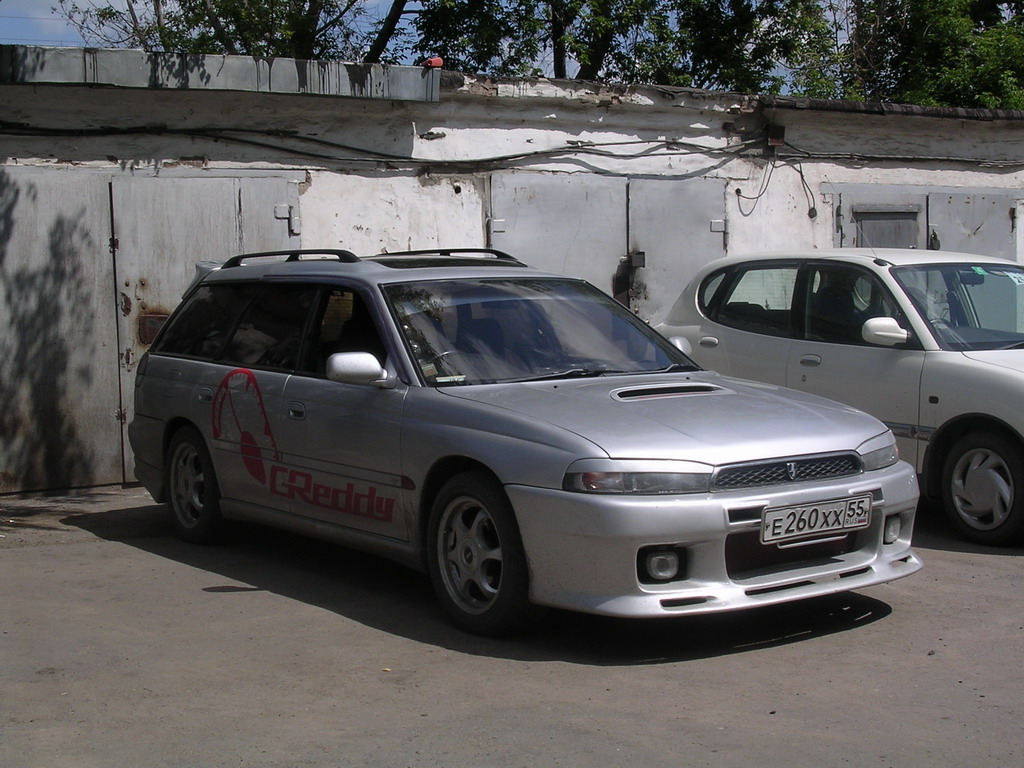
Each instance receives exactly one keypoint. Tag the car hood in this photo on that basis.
(1004, 358)
(695, 416)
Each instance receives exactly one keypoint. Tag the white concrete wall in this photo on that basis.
(369, 214)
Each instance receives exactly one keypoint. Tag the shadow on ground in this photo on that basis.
(932, 530)
(394, 599)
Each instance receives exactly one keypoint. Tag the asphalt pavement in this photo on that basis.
(121, 646)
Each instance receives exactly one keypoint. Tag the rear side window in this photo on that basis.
(200, 327)
(760, 300)
(270, 332)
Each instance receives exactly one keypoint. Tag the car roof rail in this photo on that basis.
(294, 254)
(486, 253)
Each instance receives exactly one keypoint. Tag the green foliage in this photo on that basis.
(967, 53)
(303, 29)
(500, 38)
(724, 44)
(956, 53)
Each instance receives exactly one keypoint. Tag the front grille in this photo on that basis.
(746, 557)
(780, 471)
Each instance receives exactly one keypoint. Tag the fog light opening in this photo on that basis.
(893, 527)
(662, 565)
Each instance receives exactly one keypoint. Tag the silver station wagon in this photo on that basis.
(518, 435)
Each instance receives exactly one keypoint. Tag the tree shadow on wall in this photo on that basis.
(45, 310)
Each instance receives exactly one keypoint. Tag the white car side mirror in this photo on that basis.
(884, 332)
(682, 344)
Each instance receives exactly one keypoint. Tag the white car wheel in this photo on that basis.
(983, 485)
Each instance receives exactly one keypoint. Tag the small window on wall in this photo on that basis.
(760, 300)
(891, 226)
(270, 333)
(200, 327)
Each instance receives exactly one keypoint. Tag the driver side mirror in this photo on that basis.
(360, 368)
(884, 332)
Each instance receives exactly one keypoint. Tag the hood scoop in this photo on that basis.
(666, 390)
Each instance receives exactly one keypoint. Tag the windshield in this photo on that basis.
(969, 306)
(482, 331)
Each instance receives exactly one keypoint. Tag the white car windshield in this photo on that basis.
(969, 306)
(483, 331)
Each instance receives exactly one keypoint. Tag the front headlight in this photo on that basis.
(651, 478)
(879, 452)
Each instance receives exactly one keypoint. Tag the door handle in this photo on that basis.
(205, 395)
(811, 361)
(296, 410)
(708, 341)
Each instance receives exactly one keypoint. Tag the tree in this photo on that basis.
(725, 44)
(958, 53)
(966, 53)
(302, 29)
(933, 52)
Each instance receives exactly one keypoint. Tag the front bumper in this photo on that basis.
(583, 548)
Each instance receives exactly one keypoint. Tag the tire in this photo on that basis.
(983, 489)
(192, 490)
(476, 560)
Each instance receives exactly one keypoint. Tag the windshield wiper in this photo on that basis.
(676, 368)
(1014, 345)
(569, 373)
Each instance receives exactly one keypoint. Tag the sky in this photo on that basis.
(30, 22)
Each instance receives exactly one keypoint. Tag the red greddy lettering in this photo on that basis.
(293, 484)
(248, 426)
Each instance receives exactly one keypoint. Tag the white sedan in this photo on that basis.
(931, 343)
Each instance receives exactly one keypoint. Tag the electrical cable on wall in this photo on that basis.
(244, 136)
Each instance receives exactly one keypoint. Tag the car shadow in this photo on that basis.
(932, 530)
(400, 601)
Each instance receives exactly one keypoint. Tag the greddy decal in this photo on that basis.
(238, 416)
(240, 394)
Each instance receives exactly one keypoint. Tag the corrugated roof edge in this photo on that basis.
(885, 108)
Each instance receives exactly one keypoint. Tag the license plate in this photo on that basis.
(785, 523)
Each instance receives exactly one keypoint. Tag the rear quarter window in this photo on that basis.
(760, 300)
(201, 325)
(270, 332)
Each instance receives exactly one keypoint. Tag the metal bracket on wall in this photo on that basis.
(294, 220)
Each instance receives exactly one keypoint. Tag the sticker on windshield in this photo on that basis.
(1017, 277)
(979, 270)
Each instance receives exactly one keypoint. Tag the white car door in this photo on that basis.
(750, 335)
(832, 359)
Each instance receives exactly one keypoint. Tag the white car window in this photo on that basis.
(969, 306)
(760, 300)
(839, 299)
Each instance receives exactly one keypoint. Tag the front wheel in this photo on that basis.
(983, 489)
(476, 559)
(194, 497)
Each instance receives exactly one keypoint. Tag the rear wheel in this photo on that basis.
(983, 489)
(194, 497)
(476, 559)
